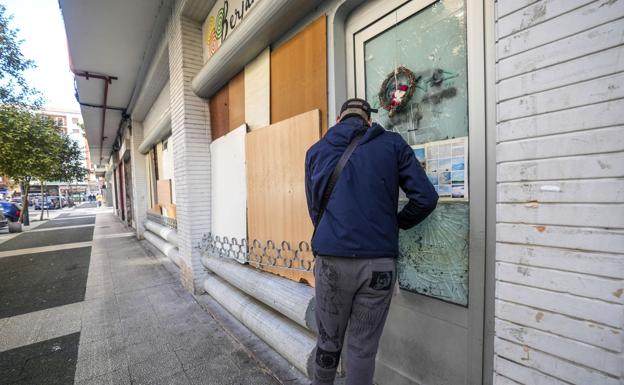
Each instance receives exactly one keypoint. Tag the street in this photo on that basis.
(82, 301)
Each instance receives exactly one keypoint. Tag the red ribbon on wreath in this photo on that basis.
(397, 89)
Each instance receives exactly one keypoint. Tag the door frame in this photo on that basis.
(482, 146)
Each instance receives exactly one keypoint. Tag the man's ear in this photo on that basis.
(370, 121)
(338, 119)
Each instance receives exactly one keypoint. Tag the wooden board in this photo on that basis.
(258, 91)
(229, 185)
(219, 113)
(236, 101)
(164, 191)
(299, 74)
(277, 208)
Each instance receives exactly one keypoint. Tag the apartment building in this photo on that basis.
(202, 111)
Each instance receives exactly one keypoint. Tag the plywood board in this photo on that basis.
(299, 74)
(164, 191)
(258, 91)
(229, 185)
(277, 207)
(219, 113)
(236, 101)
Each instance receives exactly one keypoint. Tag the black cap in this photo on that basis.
(356, 107)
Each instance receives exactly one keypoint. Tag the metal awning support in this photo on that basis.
(107, 80)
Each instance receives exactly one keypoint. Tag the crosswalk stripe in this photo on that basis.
(44, 249)
(61, 228)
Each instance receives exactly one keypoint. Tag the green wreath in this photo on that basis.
(397, 89)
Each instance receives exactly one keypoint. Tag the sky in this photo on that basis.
(41, 28)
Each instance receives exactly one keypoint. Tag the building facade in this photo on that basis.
(72, 124)
(512, 107)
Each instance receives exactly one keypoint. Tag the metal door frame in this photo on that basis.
(481, 168)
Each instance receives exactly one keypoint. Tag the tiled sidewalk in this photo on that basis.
(136, 325)
(140, 326)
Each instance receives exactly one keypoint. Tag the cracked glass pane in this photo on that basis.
(433, 256)
(416, 75)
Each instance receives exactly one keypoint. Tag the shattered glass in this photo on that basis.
(432, 45)
(434, 255)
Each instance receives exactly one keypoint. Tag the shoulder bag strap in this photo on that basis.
(342, 162)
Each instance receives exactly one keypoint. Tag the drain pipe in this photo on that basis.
(107, 80)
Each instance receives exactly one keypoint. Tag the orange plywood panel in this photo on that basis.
(299, 74)
(164, 191)
(236, 101)
(219, 113)
(276, 201)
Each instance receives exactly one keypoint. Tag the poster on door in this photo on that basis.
(446, 165)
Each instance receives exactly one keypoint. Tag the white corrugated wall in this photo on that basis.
(560, 188)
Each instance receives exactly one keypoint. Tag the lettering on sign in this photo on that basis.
(223, 19)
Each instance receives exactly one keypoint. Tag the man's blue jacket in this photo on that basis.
(361, 217)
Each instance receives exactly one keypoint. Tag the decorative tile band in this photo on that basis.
(259, 254)
(165, 221)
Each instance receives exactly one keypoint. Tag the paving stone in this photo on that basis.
(118, 377)
(99, 359)
(179, 378)
(157, 367)
(144, 350)
(200, 351)
(255, 377)
(140, 320)
(218, 371)
(99, 291)
(115, 346)
(95, 331)
(143, 334)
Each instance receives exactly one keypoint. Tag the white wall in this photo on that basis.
(560, 163)
(158, 111)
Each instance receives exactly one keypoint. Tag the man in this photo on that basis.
(356, 240)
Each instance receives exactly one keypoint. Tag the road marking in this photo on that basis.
(61, 228)
(44, 249)
(72, 217)
(30, 328)
(115, 235)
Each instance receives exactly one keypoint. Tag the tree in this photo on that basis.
(13, 86)
(28, 146)
(70, 167)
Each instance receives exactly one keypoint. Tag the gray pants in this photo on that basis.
(354, 292)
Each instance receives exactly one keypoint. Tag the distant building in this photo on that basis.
(73, 125)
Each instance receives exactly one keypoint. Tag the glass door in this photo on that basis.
(411, 60)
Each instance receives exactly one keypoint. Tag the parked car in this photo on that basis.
(3, 221)
(51, 203)
(11, 210)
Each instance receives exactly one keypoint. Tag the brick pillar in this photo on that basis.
(139, 178)
(191, 137)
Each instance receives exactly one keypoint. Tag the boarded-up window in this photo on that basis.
(299, 74)
(276, 201)
(227, 107)
(236, 101)
(219, 113)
